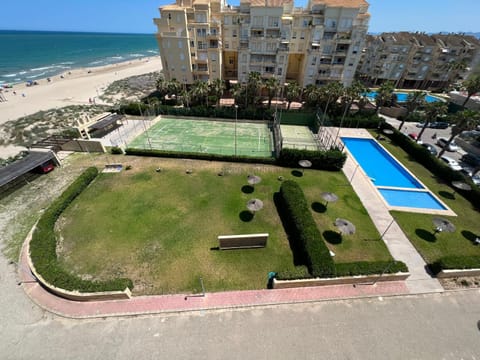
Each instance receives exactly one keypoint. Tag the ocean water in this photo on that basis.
(31, 55)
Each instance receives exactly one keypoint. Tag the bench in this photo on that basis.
(247, 241)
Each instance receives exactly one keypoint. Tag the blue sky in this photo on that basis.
(135, 16)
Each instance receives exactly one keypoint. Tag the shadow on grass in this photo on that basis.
(298, 256)
(469, 235)
(247, 189)
(332, 237)
(447, 195)
(297, 173)
(215, 248)
(426, 235)
(318, 207)
(246, 216)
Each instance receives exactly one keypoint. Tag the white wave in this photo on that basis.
(22, 73)
(36, 76)
(117, 57)
(152, 51)
(9, 75)
(136, 55)
(67, 63)
(43, 68)
(96, 62)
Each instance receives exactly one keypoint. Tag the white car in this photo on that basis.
(451, 147)
(452, 163)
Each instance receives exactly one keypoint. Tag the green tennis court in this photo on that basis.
(298, 137)
(206, 136)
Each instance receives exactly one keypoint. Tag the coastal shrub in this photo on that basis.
(303, 231)
(332, 160)
(370, 268)
(436, 166)
(454, 262)
(44, 243)
(364, 120)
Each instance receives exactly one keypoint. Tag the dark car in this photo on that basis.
(471, 159)
(430, 148)
(439, 125)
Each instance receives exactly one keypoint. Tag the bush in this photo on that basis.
(370, 268)
(43, 244)
(455, 262)
(201, 156)
(300, 272)
(303, 231)
(332, 160)
(116, 150)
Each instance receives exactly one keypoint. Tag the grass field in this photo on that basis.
(419, 227)
(204, 136)
(160, 229)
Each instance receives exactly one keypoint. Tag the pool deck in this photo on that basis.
(420, 281)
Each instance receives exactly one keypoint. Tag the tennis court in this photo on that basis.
(298, 137)
(207, 136)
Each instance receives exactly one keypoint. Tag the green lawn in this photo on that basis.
(419, 227)
(159, 228)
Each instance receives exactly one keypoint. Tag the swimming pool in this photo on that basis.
(395, 184)
(403, 96)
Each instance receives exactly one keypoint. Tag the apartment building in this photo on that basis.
(418, 60)
(209, 39)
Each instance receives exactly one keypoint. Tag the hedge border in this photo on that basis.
(44, 243)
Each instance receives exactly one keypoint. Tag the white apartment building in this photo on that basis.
(418, 60)
(208, 39)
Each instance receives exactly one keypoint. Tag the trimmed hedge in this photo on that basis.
(370, 268)
(454, 262)
(436, 166)
(332, 160)
(304, 232)
(300, 272)
(200, 156)
(44, 243)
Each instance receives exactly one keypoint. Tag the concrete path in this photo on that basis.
(420, 281)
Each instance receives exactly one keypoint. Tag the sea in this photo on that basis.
(31, 55)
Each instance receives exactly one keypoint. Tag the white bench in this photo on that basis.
(246, 241)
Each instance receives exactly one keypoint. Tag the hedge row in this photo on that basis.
(332, 160)
(436, 166)
(303, 231)
(43, 245)
(455, 262)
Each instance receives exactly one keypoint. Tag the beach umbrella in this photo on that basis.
(461, 186)
(253, 179)
(305, 164)
(442, 224)
(345, 226)
(329, 197)
(254, 205)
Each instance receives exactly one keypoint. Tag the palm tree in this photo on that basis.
(472, 86)
(464, 121)
(415, 99)
(238, 93)
(292, 93)
(432, 111)
(384, 95)
(162, 88)
(253, 88)
(272, 85)
(329, 94)
(311, 95)
(217, 87)
(173, 88)
(200, 90)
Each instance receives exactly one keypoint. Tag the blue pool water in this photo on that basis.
(402, 97)
(385, 171)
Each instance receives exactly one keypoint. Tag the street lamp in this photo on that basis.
(236, 117)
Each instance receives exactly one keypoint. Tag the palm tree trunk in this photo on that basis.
(466, 100)
(446, 145)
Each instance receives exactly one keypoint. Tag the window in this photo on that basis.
(294, 35)
(231, 60)
(182, 56)
(244, 69)
(305, 22)
(273, 21)
(200, 18)
(180, 44)
(244, 57)
(327, 49)
(258, 20)
(179, 18)
(331, 23)
(234, 33)
(213, 57)
(310, 72)
(192, 43)
(227, 45)
(279, 71)
(345, 23)
(227, 20)
(271, 46)
(314, 60)
(302, 35)
(281, 59)
(167, 44)
(184, 68)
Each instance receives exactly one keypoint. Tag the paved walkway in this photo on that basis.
(398, 244)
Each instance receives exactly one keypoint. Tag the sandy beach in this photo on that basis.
(75, 88)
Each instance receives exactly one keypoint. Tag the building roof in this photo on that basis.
(342, 3)
(270, 3)
(110, 119)
(21, 167)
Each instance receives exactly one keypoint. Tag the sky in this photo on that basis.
(135, 16)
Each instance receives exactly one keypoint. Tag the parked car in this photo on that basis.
(452, 163)
(438, 125)
(430, 148)
(451, 147)
(476, 179)
(413, 136)
(471, 160)
(420, 125)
